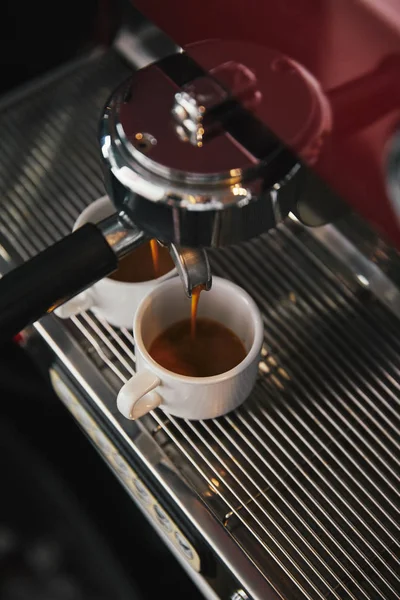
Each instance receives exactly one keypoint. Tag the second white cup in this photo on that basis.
(113, 300)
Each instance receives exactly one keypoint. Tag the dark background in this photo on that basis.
(38, 36)
(34, 416)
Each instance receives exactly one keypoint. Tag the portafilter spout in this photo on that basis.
(192, 264)
(193, 268)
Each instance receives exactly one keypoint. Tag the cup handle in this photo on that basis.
(75, 305)
(134, 400)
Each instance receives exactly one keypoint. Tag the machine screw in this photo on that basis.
(144, 142)
(239, 595)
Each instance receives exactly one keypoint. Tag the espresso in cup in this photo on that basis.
(197, 347)
(211, 350)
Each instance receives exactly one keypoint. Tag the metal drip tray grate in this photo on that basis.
(305, 475)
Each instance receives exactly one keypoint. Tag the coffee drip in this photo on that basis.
(148, 261)
(154, 246)
(194, 306)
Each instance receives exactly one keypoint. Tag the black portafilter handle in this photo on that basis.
(63, 270)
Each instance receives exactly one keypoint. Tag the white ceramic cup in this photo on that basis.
(115, 301)
(180, 395)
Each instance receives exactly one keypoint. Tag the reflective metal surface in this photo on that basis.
(139, 41)
(304, 474)
(122, 237)
(192, 264)
(352, 50)
(193, 268)
(220, 190)
(296, 494)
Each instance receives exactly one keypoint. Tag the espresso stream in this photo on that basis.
(155, 257)
(193, 311)
(197, 347)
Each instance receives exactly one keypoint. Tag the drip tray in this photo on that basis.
(305, 474)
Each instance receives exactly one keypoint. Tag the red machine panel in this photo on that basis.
(328, 74)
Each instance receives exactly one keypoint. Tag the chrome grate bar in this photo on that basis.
(305, 475)
(315, 485)
(270, 485)
(253, 497)
(243, 481)
(295, 577)
(341, 465)
(283, 326)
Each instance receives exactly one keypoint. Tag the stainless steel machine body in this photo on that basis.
(296, 494)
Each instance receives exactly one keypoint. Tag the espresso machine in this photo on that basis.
(260, 143)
